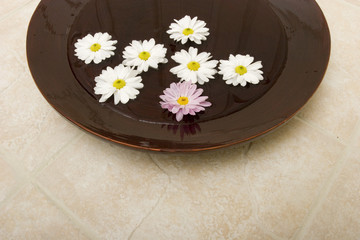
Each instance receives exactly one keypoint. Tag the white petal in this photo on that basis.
(255, 66)
(193, 52)
(197, 42)
(124, 98)
(106, 96)
(184, 40)
(152, 63)
(137, 45)
(116, 97)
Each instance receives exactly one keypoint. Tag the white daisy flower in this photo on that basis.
(144, 55)
(122, 82)
(188, 29)
(241, 70)
(95, 48)
(194, 67)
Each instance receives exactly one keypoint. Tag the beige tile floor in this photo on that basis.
(301, 182)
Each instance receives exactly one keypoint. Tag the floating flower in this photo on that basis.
(122, 82)
(188, 29)
(144, 55)
(184, 98)
(241, 70)
(95, 48)
(194, 67)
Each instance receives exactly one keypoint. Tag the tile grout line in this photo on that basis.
(18, 59)
(13, 193)
(86, 230)
(253, 195)
(326, 187)
(23, 178)
(321, 130)
(157, 202)
(21, 174)
(54, 156)
(12, 12)
(39, 127)
(348, 3)
(22, 63)
(158, 166)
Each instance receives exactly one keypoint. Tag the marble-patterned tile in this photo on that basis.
(286, 173)
(344, 22)
(13, 30)
(11, 68)
(31, 216)
(208, 198)
(357, 139)
(353, 2)
(7, 180)
(236, 192)
(31, 130)
(8, 7)
(342, 18)
(339, 216)
(335, 106)
(109, 187)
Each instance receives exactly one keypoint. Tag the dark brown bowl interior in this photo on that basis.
(291, 38)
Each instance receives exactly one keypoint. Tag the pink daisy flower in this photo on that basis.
(184, 98)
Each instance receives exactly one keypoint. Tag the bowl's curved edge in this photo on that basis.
(185, 150)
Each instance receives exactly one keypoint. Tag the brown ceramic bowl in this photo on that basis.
(290, 37)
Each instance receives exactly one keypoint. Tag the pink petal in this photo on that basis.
(163, 97)
(174, 87)
(201, 99)
(175, 109)
(199, 109)
(206, 104)
(169, 93)
(191, 90)
(197, 93)
(186, 110)
(192, 112)
(179, 116)
(182, 88)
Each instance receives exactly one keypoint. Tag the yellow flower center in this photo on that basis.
(119, 84)
(241, 70)
(95, 47)
(188, 31)
(144, 55)
(183, 100)
(193, 66)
